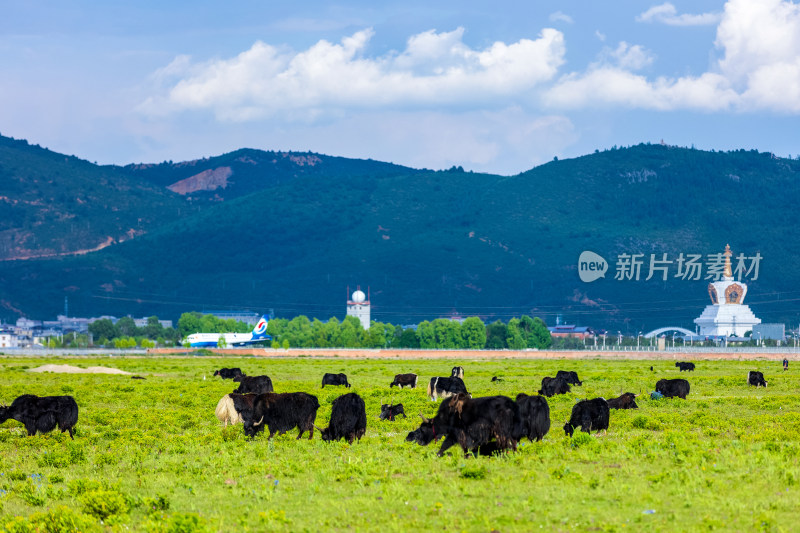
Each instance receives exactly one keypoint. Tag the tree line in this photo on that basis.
(302, 332)
(441, 333)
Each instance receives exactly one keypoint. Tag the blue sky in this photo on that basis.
(497, 87)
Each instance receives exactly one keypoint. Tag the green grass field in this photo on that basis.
(151, 456)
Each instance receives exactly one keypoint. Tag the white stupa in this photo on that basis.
(727, 315)
(358, 306)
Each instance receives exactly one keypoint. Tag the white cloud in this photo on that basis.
(762, 52)
(667, 14)
(629, 57)
(759, 69)
(435, 69)
(558, 16)
(615, 87)
(600, 35)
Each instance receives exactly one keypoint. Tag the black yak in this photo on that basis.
(569, 376)
(689, 367)
(472, 424)
(280, 413)
(553, 386)
(535, 414)
(756, 379)
(457, 372)
(445, 387)
(404, 380)
(390, 411)
(673, 387)
(626, 401)
(43, 414)
(590, 415)
(348, 419)
(253, 384)
(335, 379)
(228, 373)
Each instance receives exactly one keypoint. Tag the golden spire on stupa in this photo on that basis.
(728, 273)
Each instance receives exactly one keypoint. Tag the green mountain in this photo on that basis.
(290, 235)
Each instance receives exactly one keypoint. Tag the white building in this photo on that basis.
(8, 340)
(727, 315)
(358, 306)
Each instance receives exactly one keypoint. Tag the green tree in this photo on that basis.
(540, 336)
(377, 335)
(426, 335)
(153, 329)
(496, 334)
(127, 327)
(473, 331)
(408, 339)
(514, 337)
(189, 323)
(103, 329)
(221, 342)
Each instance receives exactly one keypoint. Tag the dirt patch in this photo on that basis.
(69, 369)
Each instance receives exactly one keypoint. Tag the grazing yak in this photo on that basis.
(590, 415)
(689, 367)
(335, 379)
(280, 413)
(569, 376)
(404, 380)
(472, 423)
(534, 412)
(390, 411)
(43, 414)
(756, 379)
(553, 386)
(253, 384)
(626, 401)
(495, 378)
(348, 419)
(445, 387)
(457, 372)
(673, 387)
(228, 373)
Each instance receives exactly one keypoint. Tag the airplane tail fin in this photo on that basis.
(260, 331)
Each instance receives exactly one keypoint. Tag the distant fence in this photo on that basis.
(59, 352)
(611, 352)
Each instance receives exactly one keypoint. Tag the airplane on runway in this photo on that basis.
(211, 340)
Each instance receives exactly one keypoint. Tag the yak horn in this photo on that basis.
(259, 422)
(423, 418)
(316, 426)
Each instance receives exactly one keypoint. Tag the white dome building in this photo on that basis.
(727, 315)
(358, 306)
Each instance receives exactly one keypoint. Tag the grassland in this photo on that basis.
(150, 455)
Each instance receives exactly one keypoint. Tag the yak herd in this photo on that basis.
(480, 426)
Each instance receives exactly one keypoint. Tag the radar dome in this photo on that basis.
(359, 297)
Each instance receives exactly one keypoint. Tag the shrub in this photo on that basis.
(104, 503)
(474, 472)
(58, 520)
(32, 494)
(579, 438)
(178, 523)
(70, 455)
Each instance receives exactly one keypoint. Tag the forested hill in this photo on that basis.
(294, 235)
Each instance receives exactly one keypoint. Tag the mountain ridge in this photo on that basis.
(430, 243)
